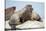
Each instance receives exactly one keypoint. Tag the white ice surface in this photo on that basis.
(28, 24)
(31, 24)
(7, 25)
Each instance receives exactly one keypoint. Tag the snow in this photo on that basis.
(31, 24)
(7, 25)
(27, 24)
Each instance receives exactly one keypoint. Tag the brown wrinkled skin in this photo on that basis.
(9, 12)
(27, 14)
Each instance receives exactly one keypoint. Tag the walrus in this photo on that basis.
(8, 12)
(24, 15)
(29, 15)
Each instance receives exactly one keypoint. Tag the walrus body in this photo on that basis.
(23, 16)
(9, 12)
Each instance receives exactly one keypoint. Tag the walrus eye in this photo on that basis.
(31, 8)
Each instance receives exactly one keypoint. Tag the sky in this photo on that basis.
(37, 6)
